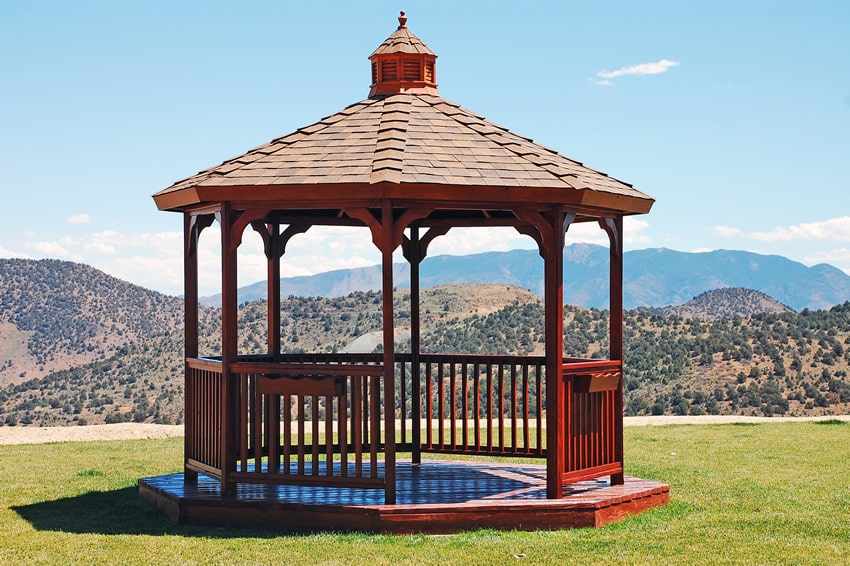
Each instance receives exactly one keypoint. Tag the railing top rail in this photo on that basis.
(209, 364)
(377, 359)
(307, 369)
(580, 365)
(481, 358)
(328, 357)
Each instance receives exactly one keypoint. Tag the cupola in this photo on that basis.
(403, 63)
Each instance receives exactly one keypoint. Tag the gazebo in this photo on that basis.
(312, 440)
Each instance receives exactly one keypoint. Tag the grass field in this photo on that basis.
(775, 493)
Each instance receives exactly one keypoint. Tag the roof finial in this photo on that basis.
(402, 20)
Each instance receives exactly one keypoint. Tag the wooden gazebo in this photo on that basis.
(318, 434)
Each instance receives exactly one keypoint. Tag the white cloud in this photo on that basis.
(9, 253)
(165, 274)
(727, 231)
(831, 230)
(633, 228)
(798, 240)
(51, 249)
(101, 248)
(79, 219)
(655, 68)
(465, 241)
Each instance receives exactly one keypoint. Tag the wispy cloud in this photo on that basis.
(79, 219)
(824, 234)
(831, 230)
(604, 78)
(51, 249)
(9, 253)
(727, 231)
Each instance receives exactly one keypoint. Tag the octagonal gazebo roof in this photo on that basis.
(405, 141)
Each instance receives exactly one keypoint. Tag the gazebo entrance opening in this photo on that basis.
(407, 167)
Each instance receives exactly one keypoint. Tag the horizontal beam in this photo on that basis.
(307, 370)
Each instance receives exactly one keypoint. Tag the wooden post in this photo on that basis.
(415, 346)
(191, 234)
(229, 316)
(557, 416)
(387, 246)
(271, 430)
(273, 291)
(614, 228)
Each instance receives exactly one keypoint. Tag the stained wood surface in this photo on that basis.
(436, 496)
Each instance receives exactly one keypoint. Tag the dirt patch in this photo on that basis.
(120, 431)
(132, 431)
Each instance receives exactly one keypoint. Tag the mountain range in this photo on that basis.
(656, 277)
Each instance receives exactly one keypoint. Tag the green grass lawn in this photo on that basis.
(740, 494)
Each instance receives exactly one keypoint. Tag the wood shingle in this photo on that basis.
(411, 136)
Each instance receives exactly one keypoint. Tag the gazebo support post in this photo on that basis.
(273, 255)
(191, 234)
(387, 246)
(557, 394)
(614, 228)
(273, 251)
(415, 258)
(229, 316)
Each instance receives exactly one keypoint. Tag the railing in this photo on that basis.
(594, 427)
(203, 416)
(483, 405)
(318, 419)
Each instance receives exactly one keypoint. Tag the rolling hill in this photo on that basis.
(81, 347)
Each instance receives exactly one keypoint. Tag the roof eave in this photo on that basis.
(311, 195)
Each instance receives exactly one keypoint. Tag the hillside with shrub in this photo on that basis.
(765, 360)
(58, 314)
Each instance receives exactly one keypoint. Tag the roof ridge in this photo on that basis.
(388, 159)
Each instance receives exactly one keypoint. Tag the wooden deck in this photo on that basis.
(434, 497)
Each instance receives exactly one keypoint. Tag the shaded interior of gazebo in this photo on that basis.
(408, 166)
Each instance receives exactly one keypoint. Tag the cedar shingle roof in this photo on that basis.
(409, 139)
(406, 138)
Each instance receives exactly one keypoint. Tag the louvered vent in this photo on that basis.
(429, 71)
(389, 71)
(411, 70)
(374, 73)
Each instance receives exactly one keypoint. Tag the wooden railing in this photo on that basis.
(318, 419)
(203, 416)
(594, 427)
(302, 421)
(484, 405)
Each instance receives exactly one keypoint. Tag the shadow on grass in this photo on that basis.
(118, 512)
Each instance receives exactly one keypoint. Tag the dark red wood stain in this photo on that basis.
(434, 497)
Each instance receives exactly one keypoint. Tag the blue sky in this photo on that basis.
(735, 116)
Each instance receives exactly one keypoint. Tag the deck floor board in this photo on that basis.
(436, 496)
